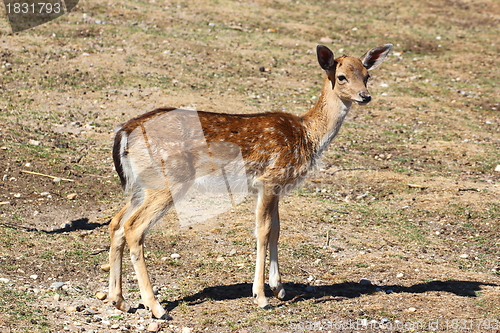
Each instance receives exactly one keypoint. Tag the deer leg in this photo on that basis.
(115, 260)
(155, 205)
(266, 203)
(274, 273)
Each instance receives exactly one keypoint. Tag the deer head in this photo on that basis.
(349, 75)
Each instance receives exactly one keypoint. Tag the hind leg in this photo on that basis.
(274, 273)
(117, 238)
(156, 204)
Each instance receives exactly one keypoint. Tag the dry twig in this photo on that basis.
(337, 211)
(44, 175)
(352, 169)
(96, 252)
(328, 299)
(469, 189)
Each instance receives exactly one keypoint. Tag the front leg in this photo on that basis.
(117, 238)
(258, 282)
(267, 208)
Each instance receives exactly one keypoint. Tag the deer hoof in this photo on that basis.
(159, 312)
(280, 293)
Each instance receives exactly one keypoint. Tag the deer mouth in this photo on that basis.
(362, 102)
(364, 98)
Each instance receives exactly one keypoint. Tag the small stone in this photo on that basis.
(153, 327)
(34, 142)
(57, 297)
(70, 309)
(105, 267)
(399, 275)
(233, 252)
(365, 282)
(497, 168)
(4, 280)
(464, 256)
(142, 313)
(72, 196)
(326, 40)
(175, 256)
(116, 326)
(34, 276)
(412, 309)
(220, 259)
(57, 180)
(186, 330)
(56, 285)
(101, 295)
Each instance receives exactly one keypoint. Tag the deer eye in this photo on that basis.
(342, 78)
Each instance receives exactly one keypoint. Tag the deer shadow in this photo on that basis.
(297, 292)
(75, 225)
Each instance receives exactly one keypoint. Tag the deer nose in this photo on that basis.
(365, 97)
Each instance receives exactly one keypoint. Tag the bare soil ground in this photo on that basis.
(407, 196)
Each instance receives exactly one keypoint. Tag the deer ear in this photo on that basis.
(325, 58)
(374, 57)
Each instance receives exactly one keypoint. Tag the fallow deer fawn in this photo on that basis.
(278, 150)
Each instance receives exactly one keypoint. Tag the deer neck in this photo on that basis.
(323, 121)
